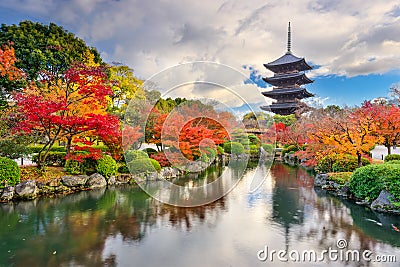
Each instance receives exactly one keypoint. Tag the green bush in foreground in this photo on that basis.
(135, 154)
(107, 166)
(143, 165)
(233, 148)
(367, 182)
(395, 161)
(392, 157)
(54, 158)
(10, 173)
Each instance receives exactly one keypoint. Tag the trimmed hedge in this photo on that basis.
(37, 148)
(392, 157)
(54, 158)
(340, 177)
(395, 161)
(135, 154)
(338, 163)
(233, 148)
(367, 182)
(107, 166)
(10, 173)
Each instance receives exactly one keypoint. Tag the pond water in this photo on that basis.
(123, 226)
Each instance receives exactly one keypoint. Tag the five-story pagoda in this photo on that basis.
(289, 76)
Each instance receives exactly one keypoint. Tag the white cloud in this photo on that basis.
(343, 37)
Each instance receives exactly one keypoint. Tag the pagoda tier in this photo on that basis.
(297, 92)
(287, 63)
(286, 108)
(289, 75)
(288, 79)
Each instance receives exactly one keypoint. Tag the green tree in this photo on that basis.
(43, 50)
(125, 86)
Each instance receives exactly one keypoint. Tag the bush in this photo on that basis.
(142, 165)
(10, 173)
(253, 150)
(156, 164)
(348, 163)
(149, 151)
(233, 148)
(290, 148)
(204, 158)
(340, 177)
(53, 158)
(254, 140)
(107, 166)
(74, 167)
(37, 148)
(123, 168)
(392, 157)
(161, 159)
(211, 153)
(367, 182)
(268, 148)
(338, 163)
(135, 154)
(220, 150)
(395, 161)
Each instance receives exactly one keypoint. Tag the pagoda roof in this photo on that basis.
(288, 61)
(289, 78)
(297, 92)
(281, 108)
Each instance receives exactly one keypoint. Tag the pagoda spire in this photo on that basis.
(289, 41)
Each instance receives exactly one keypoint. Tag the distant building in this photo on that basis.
(289, 76)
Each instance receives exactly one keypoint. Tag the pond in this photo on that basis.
(123, 226)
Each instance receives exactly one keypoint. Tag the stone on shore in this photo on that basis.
(8, 193)
(385, 203)
(74, 181)
(96, 180)
(26, 190)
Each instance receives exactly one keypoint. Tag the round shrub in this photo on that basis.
(135, 154)
(268, 148)
(74, 167)
(220, 150)
(254, 140)
(367, 182)
(155, 164)
(392, 157)
(233, 148)
(141, 165)
(10, 173)
(107, 166)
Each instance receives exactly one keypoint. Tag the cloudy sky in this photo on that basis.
(354, 46)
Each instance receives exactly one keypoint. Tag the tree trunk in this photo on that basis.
(388, 146)
(359, 159)
(68, 146)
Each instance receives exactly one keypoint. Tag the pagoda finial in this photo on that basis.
(289, 41)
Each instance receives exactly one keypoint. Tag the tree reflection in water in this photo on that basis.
(74, 229)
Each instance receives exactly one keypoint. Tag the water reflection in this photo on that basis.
(124, 226)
